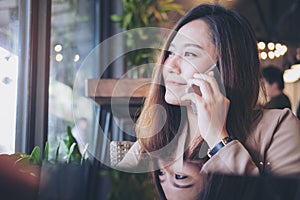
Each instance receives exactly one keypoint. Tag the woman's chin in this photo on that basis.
(176, 101)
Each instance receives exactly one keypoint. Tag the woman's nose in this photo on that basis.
(173, 63)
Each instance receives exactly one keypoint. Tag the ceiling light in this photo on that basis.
(271, 55)
(263, 55)
(271, 45)
(261, 45)
(291, 75)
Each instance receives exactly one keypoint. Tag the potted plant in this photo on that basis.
(22, 173)
(35, 177)
(143, 13)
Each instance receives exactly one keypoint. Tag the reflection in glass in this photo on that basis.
(72, 39)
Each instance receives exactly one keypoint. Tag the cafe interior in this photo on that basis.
(74, 76)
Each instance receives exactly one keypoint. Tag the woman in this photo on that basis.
(242, 138)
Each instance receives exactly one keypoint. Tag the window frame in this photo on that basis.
(33, 77)
(34, 66)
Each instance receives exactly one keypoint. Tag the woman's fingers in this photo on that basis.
(210, 79)
(204, 86)
(193, 97)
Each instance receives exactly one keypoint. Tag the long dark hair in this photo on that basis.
(237, 55)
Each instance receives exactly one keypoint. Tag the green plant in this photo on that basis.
(122, 184)
(143, 13)
(131, 185)
(73, 153)
(30, 163)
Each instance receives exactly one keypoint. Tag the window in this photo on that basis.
(72, 39)
(44, 44)
(9, 34)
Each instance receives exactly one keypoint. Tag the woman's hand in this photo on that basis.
(212, 107)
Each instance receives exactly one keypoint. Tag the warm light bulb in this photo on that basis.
(295, 66)
(58, 48)
(277, 45)
(271, 54)
(284, 47)
(59, 57)
(76, 58)
(291, 75)
(263, 55)
(271, 46)
(261, 45)
(277, 53)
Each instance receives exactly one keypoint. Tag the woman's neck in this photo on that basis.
(192, 123)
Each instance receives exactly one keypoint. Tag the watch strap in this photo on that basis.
(219, 146)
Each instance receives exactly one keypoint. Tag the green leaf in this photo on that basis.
(35, 155)
(144, 13)
(116, 17)
(70, 139)
(127, 20)
(71, 152)
(46, 152)
(84, 153)
(57, 153)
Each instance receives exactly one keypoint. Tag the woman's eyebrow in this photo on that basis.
(171, 45)
(183, 186)
(192, 45)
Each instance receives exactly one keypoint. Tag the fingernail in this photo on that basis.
(197, 75)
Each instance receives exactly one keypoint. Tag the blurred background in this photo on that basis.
(44, 43)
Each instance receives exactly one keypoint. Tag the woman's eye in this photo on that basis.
(170, 53)
(190, 54)
(161, 173)
(180, 177)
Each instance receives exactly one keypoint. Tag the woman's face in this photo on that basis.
(184, 182)
(191, 51)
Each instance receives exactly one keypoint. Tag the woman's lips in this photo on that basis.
(175, 83)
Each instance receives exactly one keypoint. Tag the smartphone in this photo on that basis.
(218, 78)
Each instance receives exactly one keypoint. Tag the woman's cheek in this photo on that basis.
(173, 95)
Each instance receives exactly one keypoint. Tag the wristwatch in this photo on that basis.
(219, 146)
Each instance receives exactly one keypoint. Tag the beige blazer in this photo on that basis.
(273, 147)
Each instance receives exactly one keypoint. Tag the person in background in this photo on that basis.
(274, 85)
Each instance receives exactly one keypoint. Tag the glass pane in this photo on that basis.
(9, 31)
(72, 39)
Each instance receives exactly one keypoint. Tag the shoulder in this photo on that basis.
(274, 118)
(278, 115)
(279, 141)
(276, 123)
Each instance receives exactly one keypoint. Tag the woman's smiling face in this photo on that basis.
(191, 51)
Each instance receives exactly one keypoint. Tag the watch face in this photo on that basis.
(226, 140)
